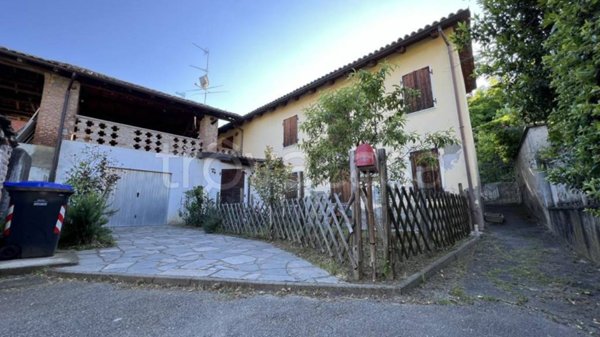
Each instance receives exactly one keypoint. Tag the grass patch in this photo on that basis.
(321, 260)
(487, 298)
(521, 300)
(460, 294)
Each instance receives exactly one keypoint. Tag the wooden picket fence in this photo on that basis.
(420, 222)
(425, 221)
(317, 222)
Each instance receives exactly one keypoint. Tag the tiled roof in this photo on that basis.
(393, 47)
(82, 73)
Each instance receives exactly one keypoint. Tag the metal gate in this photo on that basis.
(140, 198)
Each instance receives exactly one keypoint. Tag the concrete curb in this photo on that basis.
(426, 273)
(23, 266)
(337, 289)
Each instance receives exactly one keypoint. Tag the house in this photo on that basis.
(164, 145)
(422, 62)
(161, 145)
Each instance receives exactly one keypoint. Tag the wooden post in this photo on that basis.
(387, 231)
(371, 225)
(248, 192)
(466, 196)
(301, 187)
(271, 225)
(357, 244)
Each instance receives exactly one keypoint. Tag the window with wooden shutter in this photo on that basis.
(343, 189)
(420, 82)
(293, 185)
(290, 131)
(227, 143)
(426, 170)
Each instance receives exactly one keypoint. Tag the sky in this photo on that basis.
(259, 50)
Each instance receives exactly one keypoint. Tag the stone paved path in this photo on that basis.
(176, 251)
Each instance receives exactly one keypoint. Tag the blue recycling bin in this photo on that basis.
(34, 220)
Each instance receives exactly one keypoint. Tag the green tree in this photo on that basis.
(497, 131)
(93, 179)
(546, 54)
(574, 62)
(485, 103)
(270, 178)
(362, 112)
(512, 35)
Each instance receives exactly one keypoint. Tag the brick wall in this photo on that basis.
(51, 107)
(209, 131)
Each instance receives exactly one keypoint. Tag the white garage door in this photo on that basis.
(141, 198)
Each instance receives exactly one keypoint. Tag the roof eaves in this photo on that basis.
(57, 66)
(382, 52)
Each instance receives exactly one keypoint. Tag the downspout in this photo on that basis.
(241, 141)
(61, 127)
(461, 115)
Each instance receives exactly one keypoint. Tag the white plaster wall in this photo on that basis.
(537, 194)
(41, 161)
(186, 172)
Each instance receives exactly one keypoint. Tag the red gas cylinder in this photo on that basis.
(364, 158)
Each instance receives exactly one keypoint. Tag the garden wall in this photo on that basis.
(558, 208)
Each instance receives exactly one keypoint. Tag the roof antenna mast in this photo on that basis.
(203, 84)
(203, 81)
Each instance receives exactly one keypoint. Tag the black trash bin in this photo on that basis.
(34, 219)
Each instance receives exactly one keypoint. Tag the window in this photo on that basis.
(290, 131)
(420, 81)
(227, 143)
(295, 185)
(426, 170)
(343, 189)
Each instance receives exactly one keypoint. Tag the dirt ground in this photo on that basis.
(522, 264)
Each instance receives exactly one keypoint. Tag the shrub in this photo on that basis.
(200, 211)
(194, 206)
(212, 220)
(84, 224)
(93, 180)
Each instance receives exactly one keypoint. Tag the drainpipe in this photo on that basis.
(478, 214)
(241, 141)
(61, 127)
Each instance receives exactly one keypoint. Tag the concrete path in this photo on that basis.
(522, 264)
(177, 251)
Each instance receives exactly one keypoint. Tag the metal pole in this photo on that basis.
(476, 205)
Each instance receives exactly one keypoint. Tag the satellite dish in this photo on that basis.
(204, 83)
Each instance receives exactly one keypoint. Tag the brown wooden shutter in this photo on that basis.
(227, 143)
(419, 80)
(424, 85)
(294, 129)
(342, 188)
(286, 132)
(409, 81)
(290, 131)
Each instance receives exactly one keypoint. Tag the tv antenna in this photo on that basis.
(203, 83)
